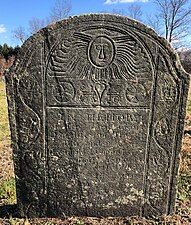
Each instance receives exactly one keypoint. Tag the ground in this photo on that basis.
(7, 182)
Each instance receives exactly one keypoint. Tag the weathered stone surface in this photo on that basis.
(97, 106)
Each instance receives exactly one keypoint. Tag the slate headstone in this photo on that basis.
(96, 106)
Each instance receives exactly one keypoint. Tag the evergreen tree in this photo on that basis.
(8, 51)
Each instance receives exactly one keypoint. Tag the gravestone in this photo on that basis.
(96, 106)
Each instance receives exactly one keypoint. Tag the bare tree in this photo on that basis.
(185, 57)
(36, 24)
(20, 34)
(60, 10)
(135, 11)
(175, 18)
(154, 22)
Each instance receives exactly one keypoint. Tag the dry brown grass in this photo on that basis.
(6, 161)
(167, 220)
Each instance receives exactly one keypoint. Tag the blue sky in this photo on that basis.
(15, 13)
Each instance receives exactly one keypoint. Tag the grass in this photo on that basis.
(8, 192)
(79, 222)
(189, 101)
(189, 107)
(4, 124)
(184, 186)
(7, 182)
(7, 185)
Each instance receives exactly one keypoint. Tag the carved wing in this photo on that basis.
(131, 60)
(69, 56)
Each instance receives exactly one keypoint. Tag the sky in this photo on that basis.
(15, 13)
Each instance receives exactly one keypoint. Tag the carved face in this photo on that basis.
(99, 56)
(101, 51)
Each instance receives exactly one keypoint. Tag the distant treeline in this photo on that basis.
(8, 51)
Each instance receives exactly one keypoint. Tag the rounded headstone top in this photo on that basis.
(119, 23)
